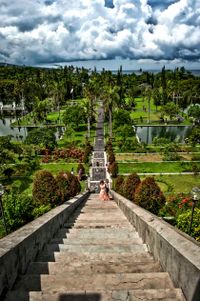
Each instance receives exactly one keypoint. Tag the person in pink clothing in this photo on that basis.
(103, 195)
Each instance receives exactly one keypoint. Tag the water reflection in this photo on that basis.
(20, 133)
(174, 133)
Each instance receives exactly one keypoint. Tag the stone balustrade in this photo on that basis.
(21, 247)
(178, 254)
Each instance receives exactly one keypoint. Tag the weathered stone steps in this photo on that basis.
(96, 259)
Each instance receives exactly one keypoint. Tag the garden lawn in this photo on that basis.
(156, 167)
(175, 184)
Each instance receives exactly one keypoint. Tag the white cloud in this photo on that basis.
(63, 30)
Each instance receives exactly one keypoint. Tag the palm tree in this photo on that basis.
(111, 98)
(90, 93)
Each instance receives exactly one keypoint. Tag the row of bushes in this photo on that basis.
(146, 193)
(112, 166)
(48, 192)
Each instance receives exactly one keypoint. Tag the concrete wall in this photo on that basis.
(21, 247)
(178, 254)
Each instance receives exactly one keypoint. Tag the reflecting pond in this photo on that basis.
(20, 133)
(174, 133)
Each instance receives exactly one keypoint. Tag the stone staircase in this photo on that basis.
(97, 255)
(98, 168)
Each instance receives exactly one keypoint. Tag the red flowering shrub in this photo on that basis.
(129, 186)
(149, 195)
(176, 204)
(45, 188)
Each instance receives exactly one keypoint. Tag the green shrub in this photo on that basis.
(149, 195)
(183, 223)
(38, 211)
(18, 210)
(45, 188)
(129, 186)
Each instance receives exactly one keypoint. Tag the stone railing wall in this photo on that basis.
(21, 247)
(178, 254)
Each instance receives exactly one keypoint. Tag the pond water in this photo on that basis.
(21, 132)
(146, 134)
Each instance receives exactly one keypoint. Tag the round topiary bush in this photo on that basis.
(129, 186)
(119, 184)
(68, 185)
(149, 195)
(45, 188)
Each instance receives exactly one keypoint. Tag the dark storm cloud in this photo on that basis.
(39, 32)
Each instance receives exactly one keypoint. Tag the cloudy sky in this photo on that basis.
(136, 33)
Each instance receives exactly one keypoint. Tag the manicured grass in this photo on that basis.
(177, 183)
(78, 137)
(57, 167)
(150, 167)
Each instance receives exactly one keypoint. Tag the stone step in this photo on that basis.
(87, 267)
(104, 234)
(121, 295)
(74, 282)
(120, 248)
(129, 295)
(94, 257)
(98, 225)
(95, 241)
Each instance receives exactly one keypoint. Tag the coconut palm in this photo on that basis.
(111, 99)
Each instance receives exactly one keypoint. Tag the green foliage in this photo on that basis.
(45, 189)
(17, 209)
(160, 141)
(42, 209)
(194, 137)
(129, 186)
(183, 222)
(170, 109)
(194, 111)
(120, 117)
(149, 196)
(45, 138)
(170, 153)
(74, 115)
